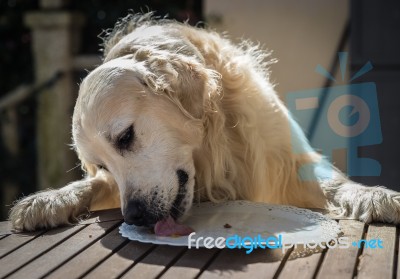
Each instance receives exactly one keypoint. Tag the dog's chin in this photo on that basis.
(182, 213)
(183, 199)
(180, 208)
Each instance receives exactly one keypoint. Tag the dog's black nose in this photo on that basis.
(135, 213)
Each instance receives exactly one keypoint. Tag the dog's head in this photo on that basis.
(139, 117)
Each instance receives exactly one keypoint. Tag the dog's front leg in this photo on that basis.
(350, 199)
(63, 206)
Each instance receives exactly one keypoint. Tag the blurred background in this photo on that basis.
(48, 46)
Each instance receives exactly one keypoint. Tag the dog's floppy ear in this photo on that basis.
(185, 80)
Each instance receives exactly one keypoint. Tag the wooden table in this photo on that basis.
(95, 249)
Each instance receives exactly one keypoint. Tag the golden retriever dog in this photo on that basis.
(178, 114)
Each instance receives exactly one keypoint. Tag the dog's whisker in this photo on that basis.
(77, 166)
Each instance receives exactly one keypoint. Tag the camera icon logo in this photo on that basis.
(349, 118)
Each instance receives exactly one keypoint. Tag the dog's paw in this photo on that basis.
(367, 204)
(39, 211)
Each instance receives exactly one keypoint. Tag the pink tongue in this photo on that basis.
(168, 227)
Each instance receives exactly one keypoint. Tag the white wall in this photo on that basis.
(301, 33)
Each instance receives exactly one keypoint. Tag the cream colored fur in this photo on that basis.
(209, 107)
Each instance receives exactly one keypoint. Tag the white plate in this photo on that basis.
(296, 225)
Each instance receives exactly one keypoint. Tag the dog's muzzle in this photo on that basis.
(137, 212)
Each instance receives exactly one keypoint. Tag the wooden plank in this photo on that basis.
(236, 263)
(302, 263)
(341, 263)
(190, 264)
(120, 261)
(378, 262)
(397, 255)
(90, 257)
(35, 248)
(155, 263)
(64, 251)
(14, 241)
(102, 216)
(5, 228)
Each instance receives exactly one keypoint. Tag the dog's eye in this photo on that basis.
(125, 139)
(101, 167)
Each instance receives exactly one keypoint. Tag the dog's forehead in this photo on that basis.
(112, 80)
(110, 75)
(109, 96)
